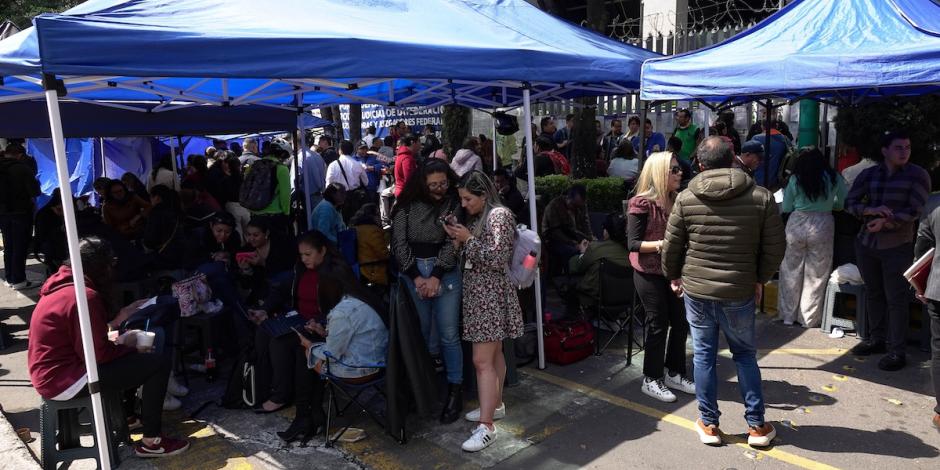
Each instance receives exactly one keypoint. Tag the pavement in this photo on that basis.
(831, 410)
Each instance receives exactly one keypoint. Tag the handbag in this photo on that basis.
(354, 197)
(192, 293)
(568, 341)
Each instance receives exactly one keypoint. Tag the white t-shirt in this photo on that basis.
(354, 173)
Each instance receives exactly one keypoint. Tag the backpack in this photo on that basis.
(259, 186)
(241, 390)
(522, 269)
(562, 167)
(506, 124)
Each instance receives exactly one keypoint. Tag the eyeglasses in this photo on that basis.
(675, 170)
(441, 185)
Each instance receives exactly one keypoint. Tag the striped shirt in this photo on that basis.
(905, 193)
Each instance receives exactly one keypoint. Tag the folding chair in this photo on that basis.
(352, 392)
(617, 305)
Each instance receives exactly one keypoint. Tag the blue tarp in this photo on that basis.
(840, 49)
(30, 119)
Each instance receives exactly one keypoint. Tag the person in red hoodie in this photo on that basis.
(406, 161)
(56, 359)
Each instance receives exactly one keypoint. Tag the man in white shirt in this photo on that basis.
(346, 170)
(853, 171)
(370, 135)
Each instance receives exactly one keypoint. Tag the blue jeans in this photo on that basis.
(444, 312)
(736, 319)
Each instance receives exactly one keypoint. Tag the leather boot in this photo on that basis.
(454, 404)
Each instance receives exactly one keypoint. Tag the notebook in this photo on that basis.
(280, 325)
(919, 272)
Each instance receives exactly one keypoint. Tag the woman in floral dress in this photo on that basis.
(491, 311)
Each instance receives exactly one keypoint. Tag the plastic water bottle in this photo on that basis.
(531, 261)
(210, 365)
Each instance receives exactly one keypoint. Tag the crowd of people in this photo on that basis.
(702, 234)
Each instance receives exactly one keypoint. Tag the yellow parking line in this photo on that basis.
(787, 457)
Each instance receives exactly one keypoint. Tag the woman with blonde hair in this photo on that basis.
(664, 364)
(491, 311)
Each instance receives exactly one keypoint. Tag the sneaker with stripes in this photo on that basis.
(480, 439)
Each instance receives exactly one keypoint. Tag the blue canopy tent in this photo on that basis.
(480, 53)
(840, 50)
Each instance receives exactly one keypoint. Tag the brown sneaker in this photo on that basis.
(936, 421)
(709, 435)
(761, 436)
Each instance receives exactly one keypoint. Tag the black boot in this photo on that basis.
(454, 404)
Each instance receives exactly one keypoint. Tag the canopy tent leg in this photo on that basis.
(308, 208)
(180, 155)
(767, 124)
(495, 165)
(644, 108)
(78, 274)
(533, 218)
(104, 160)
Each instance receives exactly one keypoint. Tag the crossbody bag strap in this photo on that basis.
(339, 161)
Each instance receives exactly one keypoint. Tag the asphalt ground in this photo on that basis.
(831, 410)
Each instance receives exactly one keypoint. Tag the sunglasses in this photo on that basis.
(675, 170)
(442, 185)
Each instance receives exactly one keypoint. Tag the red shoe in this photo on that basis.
(936, 421)
(161, 447)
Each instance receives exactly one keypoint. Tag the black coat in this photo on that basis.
(410, 370)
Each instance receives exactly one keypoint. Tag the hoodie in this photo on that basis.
(55, 357)
(466, 161)
(405, 166)
(18, 187)
(724, 235)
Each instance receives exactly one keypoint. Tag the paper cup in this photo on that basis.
(145, 339)
(113, 335)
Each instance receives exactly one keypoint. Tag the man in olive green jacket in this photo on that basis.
(724, 240)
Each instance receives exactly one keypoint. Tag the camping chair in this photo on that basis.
(353, 392)
(617, 305)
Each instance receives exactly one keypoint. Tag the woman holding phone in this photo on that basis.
(428, 264)
(491, 311)
(281, 362)
(267, 259)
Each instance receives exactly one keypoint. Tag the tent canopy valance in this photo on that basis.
(301, 54)
(840, 50)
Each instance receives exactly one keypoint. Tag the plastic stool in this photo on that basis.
(830, 320)
(61, 430)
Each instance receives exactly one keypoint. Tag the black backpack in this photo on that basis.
(259, 186)
(506, 124)
(241, 390)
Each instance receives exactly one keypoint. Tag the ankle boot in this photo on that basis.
(454, 404)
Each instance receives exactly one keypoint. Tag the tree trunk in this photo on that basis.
(337, 122)
(326, 112)
(584, 151)
(355, 123)
(455, 128)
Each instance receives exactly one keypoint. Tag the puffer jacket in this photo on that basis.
(724, 236)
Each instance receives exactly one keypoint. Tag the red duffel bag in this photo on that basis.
(568, 341)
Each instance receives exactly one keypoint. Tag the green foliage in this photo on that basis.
(862, 126)
(455, 128)
(21, 12)
(604, 194)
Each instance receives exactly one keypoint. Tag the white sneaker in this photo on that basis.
(480, 439)
(171, 403)
(474, 416)
(679, 382)
(657, 389)
(23, 285)
(175, 388)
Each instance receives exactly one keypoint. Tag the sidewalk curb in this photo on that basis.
(13, 452)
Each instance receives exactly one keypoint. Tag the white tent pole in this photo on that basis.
(494, 142)
(303, 167)
(78, 274)
(533, 217)
(104, 161)
(174, 152)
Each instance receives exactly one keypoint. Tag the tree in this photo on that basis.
(455, 128)
(21, 12)
(355, 122)
(584, 150)
(861, 126)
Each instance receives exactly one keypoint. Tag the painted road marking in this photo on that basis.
(774, 453)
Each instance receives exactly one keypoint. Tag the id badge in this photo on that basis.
(468, 265)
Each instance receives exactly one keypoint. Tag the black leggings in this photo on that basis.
(663, 311)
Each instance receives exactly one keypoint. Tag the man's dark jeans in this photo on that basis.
(934, 308)
(888, 293)
(17, 230)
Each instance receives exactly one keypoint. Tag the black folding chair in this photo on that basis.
(354, 393)
(617, 305)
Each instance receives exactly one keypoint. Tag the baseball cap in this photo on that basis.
(752, 146)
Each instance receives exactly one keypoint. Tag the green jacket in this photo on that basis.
(281, 202)
(724, 236)
(590, 262)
